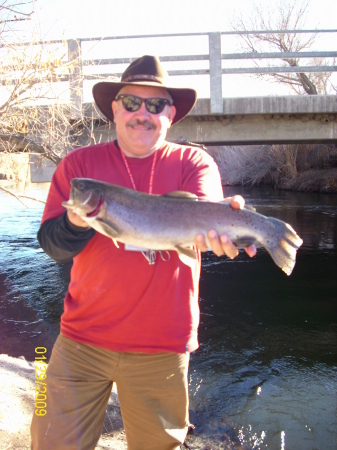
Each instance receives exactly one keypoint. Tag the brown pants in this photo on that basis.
(152, 391)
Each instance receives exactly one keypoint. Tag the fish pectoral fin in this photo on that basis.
(115, 242)
(181, 194)
(108, 229)
(186, 255)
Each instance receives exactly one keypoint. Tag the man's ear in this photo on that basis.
(114, 107)
(172, 113)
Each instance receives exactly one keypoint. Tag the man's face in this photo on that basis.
(140, 133)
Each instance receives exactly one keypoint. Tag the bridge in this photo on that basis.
(221, 121)
(214, 120)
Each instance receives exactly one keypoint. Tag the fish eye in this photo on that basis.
(80, 186)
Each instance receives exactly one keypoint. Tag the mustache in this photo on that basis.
(144, 123)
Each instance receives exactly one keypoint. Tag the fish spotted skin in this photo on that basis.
(172, 221)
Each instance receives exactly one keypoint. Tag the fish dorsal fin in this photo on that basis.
(250, 208)
(181, 194)
(186, 255)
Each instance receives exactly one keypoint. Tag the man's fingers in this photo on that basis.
(237, 202)
(251, 251)
(201, 243)
(215, 243)
(219, 245)
(75, 219)
(228, 247)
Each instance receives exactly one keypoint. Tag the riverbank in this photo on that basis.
(17, 387)
(295, 167)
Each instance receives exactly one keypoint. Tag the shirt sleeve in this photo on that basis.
(58, 237)
(61, 240)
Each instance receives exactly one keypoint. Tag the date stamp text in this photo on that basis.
(40, 381)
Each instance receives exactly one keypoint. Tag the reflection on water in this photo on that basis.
(265, 375)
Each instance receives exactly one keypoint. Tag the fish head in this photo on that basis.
(86, 198)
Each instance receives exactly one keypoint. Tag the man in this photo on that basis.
(124, 320)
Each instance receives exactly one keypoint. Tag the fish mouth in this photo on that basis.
(68, 205)
(98, 208)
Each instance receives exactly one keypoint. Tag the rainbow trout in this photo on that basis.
(172, 221)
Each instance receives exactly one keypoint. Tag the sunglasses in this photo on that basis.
(154, 105)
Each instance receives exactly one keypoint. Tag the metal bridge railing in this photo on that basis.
(215, 57)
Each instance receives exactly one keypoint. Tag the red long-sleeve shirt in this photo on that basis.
(116, 300)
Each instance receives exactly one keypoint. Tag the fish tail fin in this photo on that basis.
(288, 242)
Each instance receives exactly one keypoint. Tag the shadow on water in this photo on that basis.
(265, 374)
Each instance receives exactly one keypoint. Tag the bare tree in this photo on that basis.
(284, 15)
(14, 11)
(35, 114)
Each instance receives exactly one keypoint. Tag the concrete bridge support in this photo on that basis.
(257, 129)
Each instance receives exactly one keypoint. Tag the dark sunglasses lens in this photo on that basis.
(155, 105)
(131, 103)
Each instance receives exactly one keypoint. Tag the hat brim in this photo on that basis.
(105, 92)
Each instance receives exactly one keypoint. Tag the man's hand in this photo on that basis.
(222, 245)
(75, 219)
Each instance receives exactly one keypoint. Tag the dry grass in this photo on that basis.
(309, 168)
(323, 180)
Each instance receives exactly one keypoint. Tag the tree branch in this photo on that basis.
(283, 15)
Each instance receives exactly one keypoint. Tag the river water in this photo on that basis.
(265, 375)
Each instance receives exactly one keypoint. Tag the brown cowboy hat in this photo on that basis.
(144, 71)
